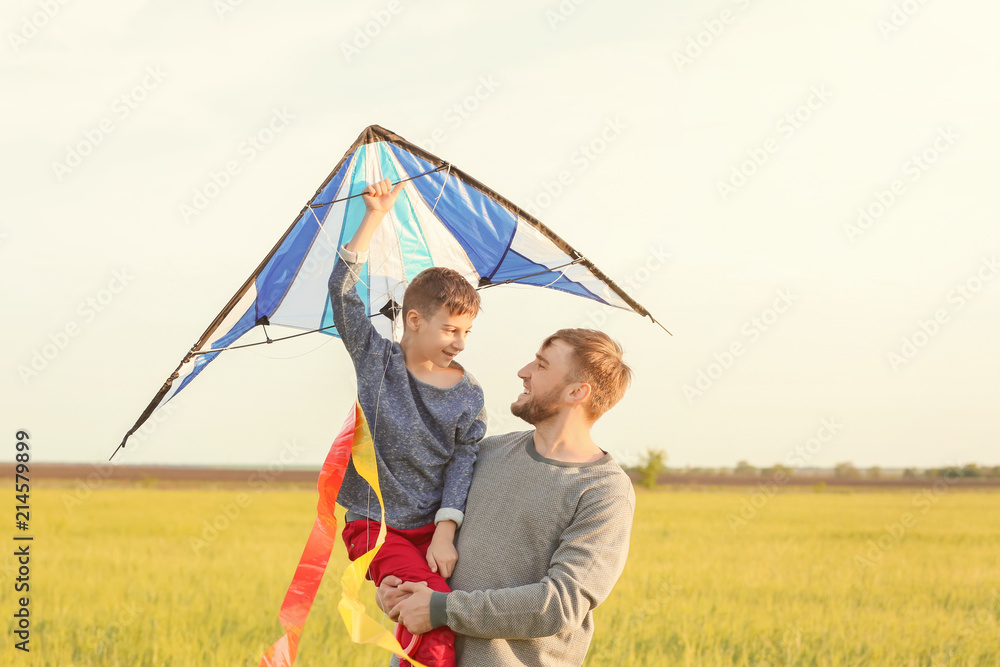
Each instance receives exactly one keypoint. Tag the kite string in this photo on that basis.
(444, 182)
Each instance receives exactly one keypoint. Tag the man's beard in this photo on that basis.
(538, 408)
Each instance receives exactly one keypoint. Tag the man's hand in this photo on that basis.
(415, 611)
(441, 552)
(389, 595)
(378, 196)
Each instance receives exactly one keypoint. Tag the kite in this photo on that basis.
(442, 217)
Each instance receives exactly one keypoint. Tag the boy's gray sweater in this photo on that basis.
(425, 437)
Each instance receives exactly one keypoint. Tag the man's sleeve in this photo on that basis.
(584, 568)
(458, 473)
(353, 324)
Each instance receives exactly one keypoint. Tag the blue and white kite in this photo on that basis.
(442, 217)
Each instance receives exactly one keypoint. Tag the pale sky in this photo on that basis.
(732, 146)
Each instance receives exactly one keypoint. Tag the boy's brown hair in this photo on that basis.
(439, 286)
(597, 360)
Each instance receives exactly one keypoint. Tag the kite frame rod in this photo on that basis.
(334, 201)
(532, 275)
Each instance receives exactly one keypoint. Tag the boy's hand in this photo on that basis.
(379, 198)
(441, 553)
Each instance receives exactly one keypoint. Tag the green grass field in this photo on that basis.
(808, 579)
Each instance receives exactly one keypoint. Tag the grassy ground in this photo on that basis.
(133, 576)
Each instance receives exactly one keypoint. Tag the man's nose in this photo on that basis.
(523, 373)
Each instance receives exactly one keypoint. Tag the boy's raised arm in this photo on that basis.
(379, 200)
(353, 324)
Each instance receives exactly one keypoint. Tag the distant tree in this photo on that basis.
(951, 472)
(744, 468)
(995, 471)
(653, 463)
(910, 473)
(971, 470)
(874, 472)
(776, 469)
(846, 470)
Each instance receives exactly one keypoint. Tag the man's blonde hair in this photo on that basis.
(597, 360)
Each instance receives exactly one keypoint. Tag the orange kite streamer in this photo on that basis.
(354, 441)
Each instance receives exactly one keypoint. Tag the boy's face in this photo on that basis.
(441, 337)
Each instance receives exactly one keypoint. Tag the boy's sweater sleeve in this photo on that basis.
(353, 324)
(584, 568)
(458, 473)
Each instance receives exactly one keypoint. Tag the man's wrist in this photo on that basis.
(439, 609)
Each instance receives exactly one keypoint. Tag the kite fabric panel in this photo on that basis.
(442, 217)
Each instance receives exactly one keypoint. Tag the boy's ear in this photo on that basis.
(412, 320)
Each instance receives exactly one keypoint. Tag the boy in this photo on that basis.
(426, 415)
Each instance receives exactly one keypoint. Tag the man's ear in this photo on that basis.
(580, 394)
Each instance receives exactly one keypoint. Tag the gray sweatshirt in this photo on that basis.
(544, 544)
(425, 437)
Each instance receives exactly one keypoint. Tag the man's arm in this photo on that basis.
(583, 570)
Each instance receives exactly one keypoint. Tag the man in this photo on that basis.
(547, 522)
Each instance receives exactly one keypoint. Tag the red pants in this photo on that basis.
(404, 554)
